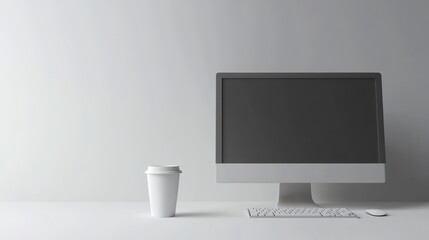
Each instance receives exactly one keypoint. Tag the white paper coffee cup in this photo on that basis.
(163, 184)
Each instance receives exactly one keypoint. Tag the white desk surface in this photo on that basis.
(202, 220)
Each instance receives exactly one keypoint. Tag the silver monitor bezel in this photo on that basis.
(296, 172)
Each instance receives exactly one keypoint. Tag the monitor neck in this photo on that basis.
(295, 195)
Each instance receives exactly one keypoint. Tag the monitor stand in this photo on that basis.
(295, 195)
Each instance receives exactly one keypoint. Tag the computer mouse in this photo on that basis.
(376, 212)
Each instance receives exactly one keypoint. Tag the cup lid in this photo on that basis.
(162, 169)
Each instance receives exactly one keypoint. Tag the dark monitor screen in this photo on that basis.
(300, 120)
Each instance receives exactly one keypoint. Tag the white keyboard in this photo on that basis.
(301, 213)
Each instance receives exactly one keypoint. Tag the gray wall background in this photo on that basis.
(91, 92)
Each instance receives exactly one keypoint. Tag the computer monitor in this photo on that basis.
(299, 128)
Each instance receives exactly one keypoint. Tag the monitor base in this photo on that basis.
(295, 195)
